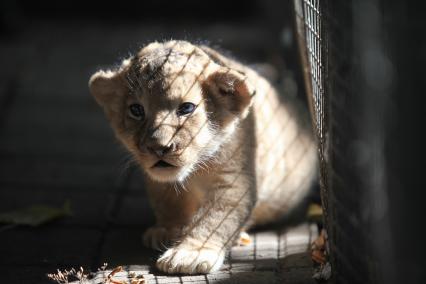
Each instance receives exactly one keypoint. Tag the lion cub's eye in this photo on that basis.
(185, 108)
(136, 111)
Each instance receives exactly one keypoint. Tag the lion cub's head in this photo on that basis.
(172, 106)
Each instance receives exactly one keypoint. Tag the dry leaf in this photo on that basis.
(244, 240)
(35, 215)
(137, 280)
(111, 275)
(318, 249)
(323, 272)
(318, 256)
(314, 213)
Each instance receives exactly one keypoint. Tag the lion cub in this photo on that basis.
(221, 150)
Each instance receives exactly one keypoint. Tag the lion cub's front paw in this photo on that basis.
(190, 260)
(159, 237)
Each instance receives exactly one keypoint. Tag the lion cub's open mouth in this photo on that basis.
(162, 164)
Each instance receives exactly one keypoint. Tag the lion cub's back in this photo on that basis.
(286, 154)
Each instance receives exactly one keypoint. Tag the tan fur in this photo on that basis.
(242, 158)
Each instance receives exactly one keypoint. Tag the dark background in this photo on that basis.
(55, 144)
(375, 93)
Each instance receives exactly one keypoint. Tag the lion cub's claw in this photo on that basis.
(190, 260)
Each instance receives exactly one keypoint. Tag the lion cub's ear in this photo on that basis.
(106, 87)
(230, 92)
(109, 87)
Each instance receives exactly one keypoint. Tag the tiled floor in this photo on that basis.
(272, 257)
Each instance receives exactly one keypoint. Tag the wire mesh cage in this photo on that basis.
(359, 77)
(337, 42)
(310, 37)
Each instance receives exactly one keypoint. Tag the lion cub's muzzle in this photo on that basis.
(161, 150)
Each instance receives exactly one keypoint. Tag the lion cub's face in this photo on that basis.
(172, 107)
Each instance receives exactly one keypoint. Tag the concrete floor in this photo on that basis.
(55, 145)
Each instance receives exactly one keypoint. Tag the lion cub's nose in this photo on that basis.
(161, 150)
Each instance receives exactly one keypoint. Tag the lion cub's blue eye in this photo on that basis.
(185, 108)
(136, 111)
